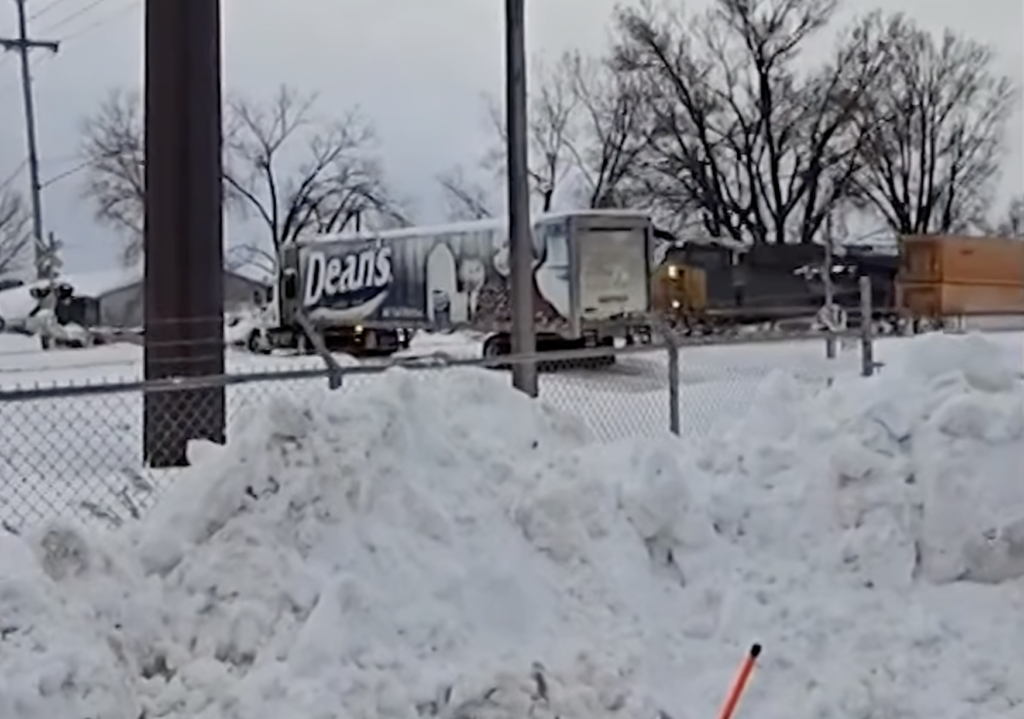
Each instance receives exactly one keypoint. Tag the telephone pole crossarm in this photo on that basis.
(13, 44)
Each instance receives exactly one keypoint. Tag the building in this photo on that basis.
(118, 295)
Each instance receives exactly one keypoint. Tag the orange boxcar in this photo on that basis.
(946, 259)
(934, 299)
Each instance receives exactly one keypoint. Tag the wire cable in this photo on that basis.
(113, 16)
(66, 174)
(14, 175)
(46, 8)
(73, 16)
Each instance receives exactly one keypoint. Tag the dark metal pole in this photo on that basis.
(675, 422)
(524, 341)
(830, 295)
(184, 298)
(867, 335)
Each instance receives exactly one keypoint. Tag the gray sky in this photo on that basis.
(418, 69)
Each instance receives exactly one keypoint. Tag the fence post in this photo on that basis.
(867, 346)
(674, 420)
(334, 372)
(830, 296)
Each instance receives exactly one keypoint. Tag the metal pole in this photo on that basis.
(184, 299)
(22, 44)
(674, 418)
(524, 341)
(867, 347)
(830, 340)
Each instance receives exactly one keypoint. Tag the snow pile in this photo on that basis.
(438, 545)
(414, 547)
(62, 651)
(920, 470)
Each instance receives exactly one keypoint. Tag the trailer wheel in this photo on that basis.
(253, 343)
(497, 346)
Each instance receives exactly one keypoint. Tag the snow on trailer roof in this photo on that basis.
(490, 223)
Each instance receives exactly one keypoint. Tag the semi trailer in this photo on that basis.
(369, 292)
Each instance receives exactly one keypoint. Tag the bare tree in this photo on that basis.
(552, 112)
(611, 130)
(336, 184)
(585, 134)
(1012, 224)
(15, 234)
(113, 152)
(760, 152)
(466, 199)
(251, 256)
(934, 129)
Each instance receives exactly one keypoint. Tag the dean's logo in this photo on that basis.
(345, 280)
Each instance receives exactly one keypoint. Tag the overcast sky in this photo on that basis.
(417, 68)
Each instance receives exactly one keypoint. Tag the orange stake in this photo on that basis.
(736, 691)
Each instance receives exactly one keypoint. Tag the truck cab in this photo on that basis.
(279, 326)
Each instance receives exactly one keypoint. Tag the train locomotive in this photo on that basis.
(921, 282)
(715, 287)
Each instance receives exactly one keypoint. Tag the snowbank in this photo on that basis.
(441, 546)
(919, 470)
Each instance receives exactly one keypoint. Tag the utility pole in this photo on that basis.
(184, 261)
(22, 44)
(524, 341)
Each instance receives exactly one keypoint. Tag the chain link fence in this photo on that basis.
(79, 448)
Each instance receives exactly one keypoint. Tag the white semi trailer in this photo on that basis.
(368, 292)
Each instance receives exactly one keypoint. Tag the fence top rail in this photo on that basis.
(174, 384)
(439, 360)
(178, 384)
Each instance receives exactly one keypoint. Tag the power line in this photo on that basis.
(75, 15)
(66, 174)
(14, 175)
(46, 8)
(108, 18)
(122, 12)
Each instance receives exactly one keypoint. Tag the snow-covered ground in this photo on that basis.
(23, 364)
(448, 548)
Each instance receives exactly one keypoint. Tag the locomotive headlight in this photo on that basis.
(673, 272)
(676, 304)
